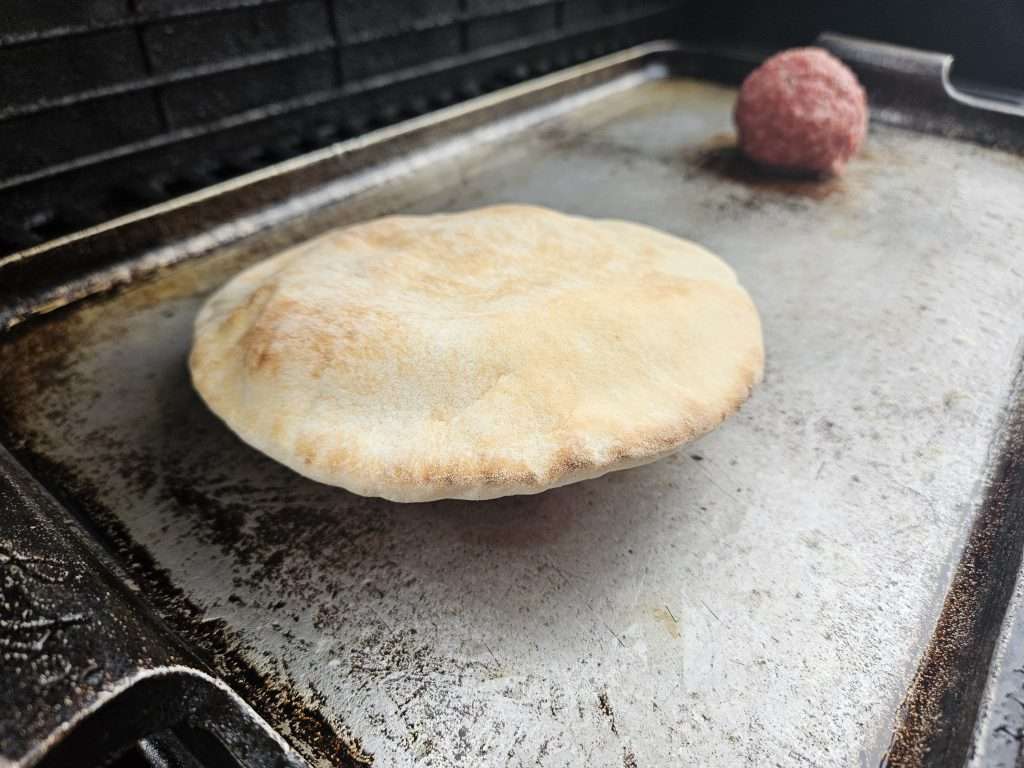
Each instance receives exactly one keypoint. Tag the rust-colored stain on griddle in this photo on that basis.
(721, 156)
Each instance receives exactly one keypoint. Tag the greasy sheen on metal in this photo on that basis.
(765, 597)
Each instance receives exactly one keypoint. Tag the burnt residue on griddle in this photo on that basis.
(720, 156)
(604, 706)
(40, 356)
(717, 156)
(212, 641)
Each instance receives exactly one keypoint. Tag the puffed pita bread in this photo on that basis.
(499, 351)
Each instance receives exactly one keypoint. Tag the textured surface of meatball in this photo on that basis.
(801, 111)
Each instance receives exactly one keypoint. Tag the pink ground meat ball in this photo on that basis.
(801, 111)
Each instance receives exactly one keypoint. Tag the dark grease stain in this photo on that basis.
(605, 708)
(719, 156)
(38, 356)
(212, 641)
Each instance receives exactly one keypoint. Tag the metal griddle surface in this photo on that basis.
(761, 598)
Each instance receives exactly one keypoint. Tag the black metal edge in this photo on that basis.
(912, 88)
(938, 716)
(146, 706)
(999, 730)
(87, 668)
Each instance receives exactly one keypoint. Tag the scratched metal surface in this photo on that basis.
(72, 644)
(760, 598)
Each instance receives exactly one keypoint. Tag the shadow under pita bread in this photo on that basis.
(249, 506)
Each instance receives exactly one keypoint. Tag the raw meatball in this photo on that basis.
(802, 111)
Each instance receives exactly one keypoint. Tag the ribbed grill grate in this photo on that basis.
(109, 105)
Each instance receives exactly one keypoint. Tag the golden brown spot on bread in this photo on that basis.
(465, 473)
(656, 286)
(568, 460)
(338, 457)
(306, 449)
(197, 359)
(317, 339)
(257, 352)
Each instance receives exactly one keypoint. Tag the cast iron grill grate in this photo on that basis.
(112, 105)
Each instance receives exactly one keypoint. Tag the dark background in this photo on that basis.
(985, 36)
(110, 105)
